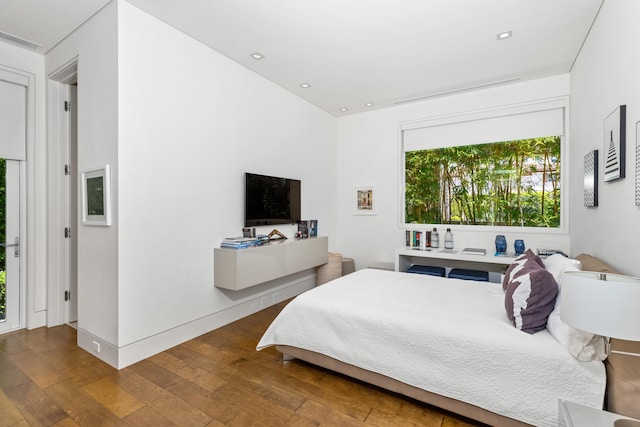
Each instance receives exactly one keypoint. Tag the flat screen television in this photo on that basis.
(271, 200)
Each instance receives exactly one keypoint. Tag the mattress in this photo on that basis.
(447, 336)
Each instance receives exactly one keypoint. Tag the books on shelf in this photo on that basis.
(240, 242)
(474, 251)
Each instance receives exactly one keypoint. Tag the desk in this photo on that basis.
(451, 258)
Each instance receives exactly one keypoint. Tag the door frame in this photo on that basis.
(58, 203)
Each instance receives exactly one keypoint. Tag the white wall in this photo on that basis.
(369, 154)
(33, 241)
(606, 75)
(179, 124)
(191, 122)
(95, 46)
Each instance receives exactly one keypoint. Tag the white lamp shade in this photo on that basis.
(603, 304)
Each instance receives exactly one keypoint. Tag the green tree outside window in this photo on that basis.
(512, 183)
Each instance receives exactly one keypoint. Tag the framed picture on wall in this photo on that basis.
(637, 163)
(615, 144)
(364, 200)
(96, 196)
(591, 179)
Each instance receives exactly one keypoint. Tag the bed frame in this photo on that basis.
(452, 405)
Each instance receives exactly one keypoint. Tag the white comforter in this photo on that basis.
(447, 336)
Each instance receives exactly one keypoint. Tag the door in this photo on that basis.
(9, 245)
(13, 102)
(71, 191)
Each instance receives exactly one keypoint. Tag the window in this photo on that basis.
(496, 168)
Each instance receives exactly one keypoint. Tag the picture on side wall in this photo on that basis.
(637, 163)
(364, 200)
(614, 144)
(591, 179)
(96, 196)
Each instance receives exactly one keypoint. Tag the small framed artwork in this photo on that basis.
(637, 163)
(364, 200)
(96, 196)
(591, 179)
(614, 144)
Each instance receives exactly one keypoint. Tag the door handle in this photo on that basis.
(16, 244)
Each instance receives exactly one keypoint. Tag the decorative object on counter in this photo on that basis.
(501, 243)
(448, 239)
(518, 245)
(435, 238)
(276, 235)
(303, 230)
(313, 227)
(248, 232)
(614, 144)
(474, 251)
(591, 179)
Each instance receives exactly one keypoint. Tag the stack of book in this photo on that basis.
(240, 242)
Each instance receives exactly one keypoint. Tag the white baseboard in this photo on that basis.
(121, 357)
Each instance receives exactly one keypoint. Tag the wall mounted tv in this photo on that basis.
(271, 200)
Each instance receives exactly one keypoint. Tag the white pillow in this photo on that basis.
(582, 345)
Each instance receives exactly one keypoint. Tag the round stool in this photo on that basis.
(348, 266)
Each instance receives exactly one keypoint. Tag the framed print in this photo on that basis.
(365, 200)
(637, 163)
(591, 179)
(614, 144)
(96, 196)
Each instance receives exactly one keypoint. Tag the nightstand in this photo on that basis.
(576, 415)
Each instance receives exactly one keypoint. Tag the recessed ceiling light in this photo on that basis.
(504, 35)
(257, 56)
(344, 109)
(305, 85)
(368, 104)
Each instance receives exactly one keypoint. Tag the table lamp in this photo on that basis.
(604, 304)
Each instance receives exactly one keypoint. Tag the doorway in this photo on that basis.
(62, 299)
(13, 102)
(9, 245)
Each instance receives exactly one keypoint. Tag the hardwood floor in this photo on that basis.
(217, 379)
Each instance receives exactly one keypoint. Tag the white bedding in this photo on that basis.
(446, 336)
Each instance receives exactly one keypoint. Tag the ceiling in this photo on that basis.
(354, 52)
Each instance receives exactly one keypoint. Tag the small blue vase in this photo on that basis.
(501, 243)
(519, 246)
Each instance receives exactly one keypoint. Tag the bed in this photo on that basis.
(446, 342)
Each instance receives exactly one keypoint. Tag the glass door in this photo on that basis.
(9, 245)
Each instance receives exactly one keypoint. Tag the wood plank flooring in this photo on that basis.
(217, 379)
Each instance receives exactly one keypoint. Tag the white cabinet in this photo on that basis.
(241, 268)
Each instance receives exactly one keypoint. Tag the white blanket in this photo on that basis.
(447, 336)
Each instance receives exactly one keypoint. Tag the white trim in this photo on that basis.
(121, 357)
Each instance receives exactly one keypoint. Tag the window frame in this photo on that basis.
(461, 117)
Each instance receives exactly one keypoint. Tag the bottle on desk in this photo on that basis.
(448, 239)
(435, 239)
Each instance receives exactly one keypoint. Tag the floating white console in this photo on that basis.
(237, 269)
